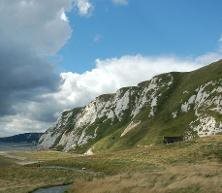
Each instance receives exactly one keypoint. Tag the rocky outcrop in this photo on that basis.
(168, 104)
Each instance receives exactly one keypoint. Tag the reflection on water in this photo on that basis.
(55, 189)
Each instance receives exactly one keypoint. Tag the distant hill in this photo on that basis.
(22, 138)
(169, 105)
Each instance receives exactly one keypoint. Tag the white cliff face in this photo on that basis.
(77, 135)
(79, 127)
(72, 131)
(151, 94)
(99, 108)
(144, 97)
(50, 137)
(121, 103)
(206, 101)
(186, 106)
(206, 126)
(47, 140)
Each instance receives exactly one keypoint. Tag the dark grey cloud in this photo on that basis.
(23, 76)
(31, 92)
(31, 31)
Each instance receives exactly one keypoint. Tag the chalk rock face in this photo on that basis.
(188, 104)
(206, 103)
(77, 127)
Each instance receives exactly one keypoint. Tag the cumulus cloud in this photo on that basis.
(32, 93)
(120, 2)
(31, 30)
(111, 74)
(16, 124)
(34, 24)
(209, 58)
(77, 89)
(84, 7)
(23, 76)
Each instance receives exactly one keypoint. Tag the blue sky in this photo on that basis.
(61, 54)
(185, 28)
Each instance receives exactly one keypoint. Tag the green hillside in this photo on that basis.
(172, 104)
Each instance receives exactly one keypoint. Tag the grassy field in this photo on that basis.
(153, 157)
(177, 179)
(193, 167)
(24, 178)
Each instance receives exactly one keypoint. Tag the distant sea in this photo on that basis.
(17, 146)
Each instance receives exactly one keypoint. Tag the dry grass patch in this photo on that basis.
(177, 179)
(22, 179)
(42, 155)
(193, 167)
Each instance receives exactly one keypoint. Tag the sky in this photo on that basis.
(61, 54)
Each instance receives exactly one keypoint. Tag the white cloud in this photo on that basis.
(40, 26)
(16, 124)
(209, 58)
(120, 2)
(84, 7)
(77, 89)
(32, 30)
(111, 74)
(43, 28)
(63, 16)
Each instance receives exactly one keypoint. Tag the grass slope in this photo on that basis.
(152, 130)
(170, 90)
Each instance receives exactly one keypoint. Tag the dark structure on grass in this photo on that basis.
(173, 139)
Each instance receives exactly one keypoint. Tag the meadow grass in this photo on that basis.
(24, 179)
(41, 155)
(188, 167)
(192, 167)
(202, 178)
(152, 157)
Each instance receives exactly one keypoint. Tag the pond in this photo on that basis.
(53, 189)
